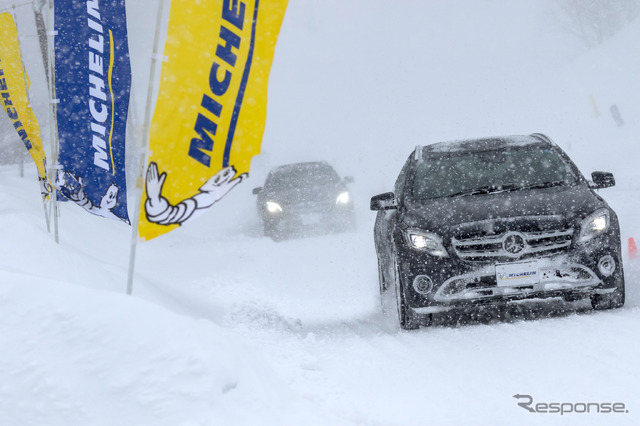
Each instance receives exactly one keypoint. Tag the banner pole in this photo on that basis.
(43, 42)
(144, 148)
(52, 120)
(132, 249)
(41, 30)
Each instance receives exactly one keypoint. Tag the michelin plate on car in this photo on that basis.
(495, 220)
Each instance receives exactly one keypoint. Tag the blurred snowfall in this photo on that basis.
(227, 327)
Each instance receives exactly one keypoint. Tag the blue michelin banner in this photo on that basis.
(92, 81)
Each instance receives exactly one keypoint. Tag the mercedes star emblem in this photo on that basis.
(514, 244)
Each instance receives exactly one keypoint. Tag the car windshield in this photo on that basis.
(469, 173)
(296, 176)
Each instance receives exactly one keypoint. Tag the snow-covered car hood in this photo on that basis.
(567, 202)
(305, 194)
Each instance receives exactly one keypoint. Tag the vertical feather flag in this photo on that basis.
(92, 81)
(14, 97)
(211, 109)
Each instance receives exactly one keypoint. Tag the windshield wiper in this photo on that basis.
(537, 185)
(508, 187)
(489, 189)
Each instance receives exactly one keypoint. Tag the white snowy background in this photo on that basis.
(226, 327)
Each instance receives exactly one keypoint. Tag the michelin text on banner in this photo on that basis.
(211, 110)
(92, 80)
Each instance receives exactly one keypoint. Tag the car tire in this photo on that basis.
(387, 297)
(277, 236)
(271, 230)
(384, 285)
(273, 234)
(406, 317)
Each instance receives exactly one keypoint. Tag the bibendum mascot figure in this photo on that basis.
(158, 209)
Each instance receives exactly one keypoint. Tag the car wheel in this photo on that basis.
(614, 300)
(387, 298)
(384, 286)
(406, 317)
(273, 233)
(277, 236)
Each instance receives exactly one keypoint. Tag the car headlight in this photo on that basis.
(425, 241)
(273, 207)
(343, 198)
(595, 224)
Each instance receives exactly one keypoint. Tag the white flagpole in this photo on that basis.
(144, 148)
(41, 32)
(53, 123)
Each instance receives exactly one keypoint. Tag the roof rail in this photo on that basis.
(543, 138)
(418, 153)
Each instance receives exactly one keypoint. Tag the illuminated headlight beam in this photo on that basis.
(595, 224)
(343, 198)
(425, 241)
(273, 207)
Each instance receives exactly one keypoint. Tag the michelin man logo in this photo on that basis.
(158, 209)
(45, 186)
(73, 189)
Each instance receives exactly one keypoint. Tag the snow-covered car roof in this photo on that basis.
(484, 144)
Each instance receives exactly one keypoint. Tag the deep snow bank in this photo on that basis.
(72, 355)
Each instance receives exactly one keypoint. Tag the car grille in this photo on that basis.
(308, 206)
(492, 247)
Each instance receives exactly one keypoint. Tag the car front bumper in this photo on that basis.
(452, 282)
(297, 219)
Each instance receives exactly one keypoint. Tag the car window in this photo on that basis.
(303, 175)
(456, 173)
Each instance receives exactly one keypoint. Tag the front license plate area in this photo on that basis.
(311, 219)
(517, 274)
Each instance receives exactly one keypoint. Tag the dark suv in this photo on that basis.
(300, 198)
(488, 221)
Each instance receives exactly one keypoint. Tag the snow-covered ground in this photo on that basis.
(227, 327)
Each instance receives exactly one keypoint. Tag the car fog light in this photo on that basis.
(422, 284)
(607, 265)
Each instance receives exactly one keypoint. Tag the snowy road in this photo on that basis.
(312, 307)
(309, 309)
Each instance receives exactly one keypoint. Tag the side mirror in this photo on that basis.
(386, 201)
(602, 180)
(257, 190)
(348, 179)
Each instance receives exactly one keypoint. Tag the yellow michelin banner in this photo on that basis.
(14, 97)
(210, 114)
